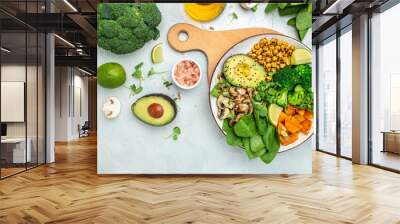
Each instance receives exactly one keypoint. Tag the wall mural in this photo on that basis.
(215, 88)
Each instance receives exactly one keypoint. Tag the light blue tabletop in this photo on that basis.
(128, 146)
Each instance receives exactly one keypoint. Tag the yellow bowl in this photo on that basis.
(204, 12)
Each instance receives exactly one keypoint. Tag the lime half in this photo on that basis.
(273, 112)
(157, 55)
(301, 56)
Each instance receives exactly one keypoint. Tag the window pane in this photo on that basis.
(327, 97)
(385, 84)
(346, 93)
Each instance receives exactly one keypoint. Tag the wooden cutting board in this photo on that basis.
(214, 44)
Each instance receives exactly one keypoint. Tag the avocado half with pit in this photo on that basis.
(243, 71)
(155, 109)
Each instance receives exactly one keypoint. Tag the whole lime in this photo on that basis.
(111, 75)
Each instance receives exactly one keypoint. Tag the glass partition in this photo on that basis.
(327, 96)
(346, 93)
(385, 89)
(22, 67)
(13, 95)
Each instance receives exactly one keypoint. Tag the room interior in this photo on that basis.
(49, 128)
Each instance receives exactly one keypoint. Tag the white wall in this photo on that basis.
(70, 84)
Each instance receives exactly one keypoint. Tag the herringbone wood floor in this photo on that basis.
(69, 191)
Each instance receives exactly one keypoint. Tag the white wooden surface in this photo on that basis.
(127, 146)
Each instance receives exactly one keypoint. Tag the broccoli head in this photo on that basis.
(290, 76)
(125, 27)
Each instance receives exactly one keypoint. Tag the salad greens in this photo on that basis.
(302, 20)
(231, 138)
(290, 85)
(254, 134)
(245, 127)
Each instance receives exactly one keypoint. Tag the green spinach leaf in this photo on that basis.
(261, 123)
(246, 147)
(256, 143)
(292, 10)
(231, 138)
(271, 7)
(272, 144)
(303, 19)
(245, 127)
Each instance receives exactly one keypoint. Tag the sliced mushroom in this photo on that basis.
(232, 91)
(243, 108)
(222, 101)
(223, 113)
(241, 91)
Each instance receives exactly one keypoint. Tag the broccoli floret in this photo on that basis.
(286, 77)
(290, 76)
(151, 14)
(126, 27)
(282, 98)
(304, 73)
(297, 96)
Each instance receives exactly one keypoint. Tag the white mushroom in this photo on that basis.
(223, 113)
(222, 101)
(111, 108)
(243, 108)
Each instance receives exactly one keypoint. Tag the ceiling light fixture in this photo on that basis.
(5, 50)
(64, 40)
(84, 71)
(70, 5)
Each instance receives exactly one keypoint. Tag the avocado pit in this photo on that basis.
(155, 110)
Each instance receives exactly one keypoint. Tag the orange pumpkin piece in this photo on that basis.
(306, 126)
(290, 110)
(292, 125)
(282, 117)
(300, 111)
(308, 115)
(299, 118)
(289, 139)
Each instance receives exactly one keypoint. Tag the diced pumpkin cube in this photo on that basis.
(300, 111)
(308, 115)
(299, 118)
(306, 126)
(291, 126)
(282, 117)
(289, 139)
(290, 110)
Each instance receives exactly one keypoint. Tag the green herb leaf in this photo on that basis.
(138, 71)
(167, 84)
(176, 131)
(233, 16)
(271, 7)
(152, 71)
(254, 9)
(135, 89)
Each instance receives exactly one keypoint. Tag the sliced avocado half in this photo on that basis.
(155, 109)
(241, 70)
